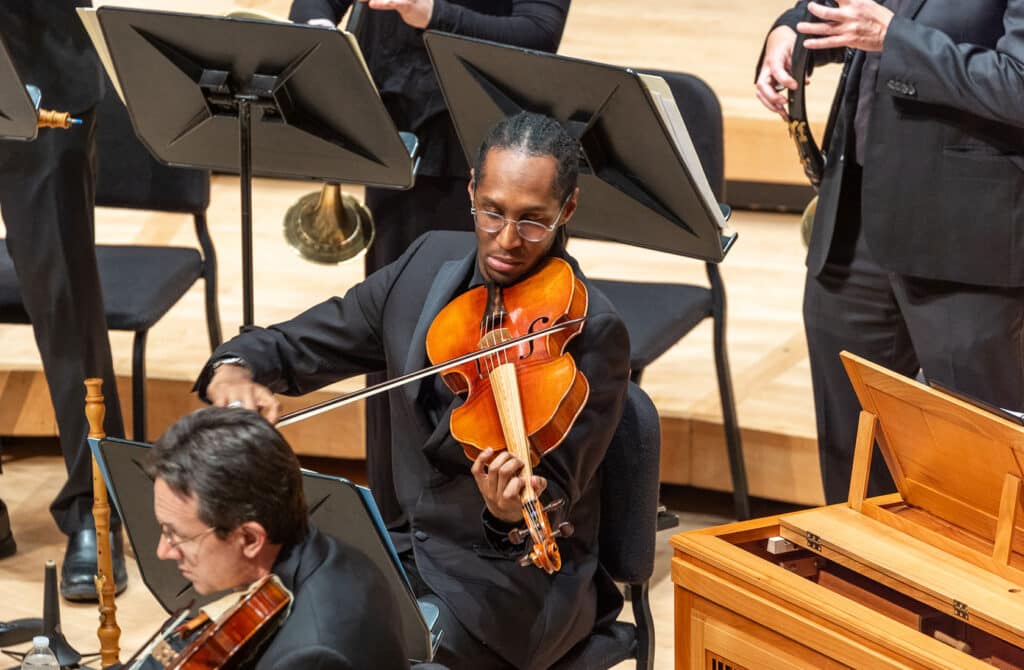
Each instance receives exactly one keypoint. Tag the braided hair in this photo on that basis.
(535, 135)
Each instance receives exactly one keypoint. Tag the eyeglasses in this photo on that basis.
(174, 541)
(529, 230)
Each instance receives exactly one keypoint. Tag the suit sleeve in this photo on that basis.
(338, 338)
(305, 10)
(314, 658)
(922, 63)
(602, 356)
(534, 24)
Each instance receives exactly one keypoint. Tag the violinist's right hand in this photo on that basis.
(774, 77)
(232, 386)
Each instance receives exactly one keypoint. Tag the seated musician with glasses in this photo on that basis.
(227, 491)
(453, 533)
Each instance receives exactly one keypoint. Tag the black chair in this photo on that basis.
(140, 283)
(627, 537)
(658, 315)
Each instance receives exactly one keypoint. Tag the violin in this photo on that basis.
(526, 398)
(227, 643)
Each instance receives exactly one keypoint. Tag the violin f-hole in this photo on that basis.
(540, 320)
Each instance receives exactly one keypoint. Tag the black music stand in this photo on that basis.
(19, 104)
(337, 507)
(643, 181)
(254, 97)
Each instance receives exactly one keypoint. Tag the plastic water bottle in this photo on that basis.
(40, 658)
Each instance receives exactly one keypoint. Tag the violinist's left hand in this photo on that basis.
(497, 477)
(416, 13)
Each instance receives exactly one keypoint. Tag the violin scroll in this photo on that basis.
(544, 552)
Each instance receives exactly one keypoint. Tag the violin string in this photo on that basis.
(489, 360)
(494, 321)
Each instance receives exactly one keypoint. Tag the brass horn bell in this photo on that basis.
(328, 227)
(807, 221)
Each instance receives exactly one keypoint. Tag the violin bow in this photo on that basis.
(334, 403)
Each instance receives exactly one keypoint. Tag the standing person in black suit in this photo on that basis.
(47, 195)
(227, 493)
(454, 540)
(392, 42)
(917, 254)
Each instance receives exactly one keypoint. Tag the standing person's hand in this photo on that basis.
(414, 12)
(857, 24)
(775, 77)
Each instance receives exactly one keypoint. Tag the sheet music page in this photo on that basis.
(665, 104)
(92, 27)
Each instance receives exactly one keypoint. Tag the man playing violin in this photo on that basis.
(227, 491)
(456, 514)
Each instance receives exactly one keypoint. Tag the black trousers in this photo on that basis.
(434, 203)
(969, 338)
(47, 194)
(458, 649)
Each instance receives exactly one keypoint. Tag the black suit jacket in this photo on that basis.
(51, 50)
(530, 618)
(342, 617)
(943, 179)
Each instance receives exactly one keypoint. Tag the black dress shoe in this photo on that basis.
(7, 545)
(77, 574)
(19, 630)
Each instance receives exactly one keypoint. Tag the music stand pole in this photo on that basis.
(245, 161)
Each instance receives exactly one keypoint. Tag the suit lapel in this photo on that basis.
(449, 278)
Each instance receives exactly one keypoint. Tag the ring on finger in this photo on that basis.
(235, 403)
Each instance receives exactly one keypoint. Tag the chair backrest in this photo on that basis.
(129, 176)
(629, 491)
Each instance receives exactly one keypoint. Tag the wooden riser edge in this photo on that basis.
(759, 149)
(779, 467)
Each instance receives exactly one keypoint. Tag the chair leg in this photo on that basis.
(733, 440)
(209, 280)
(139, 386)
(638, 594)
